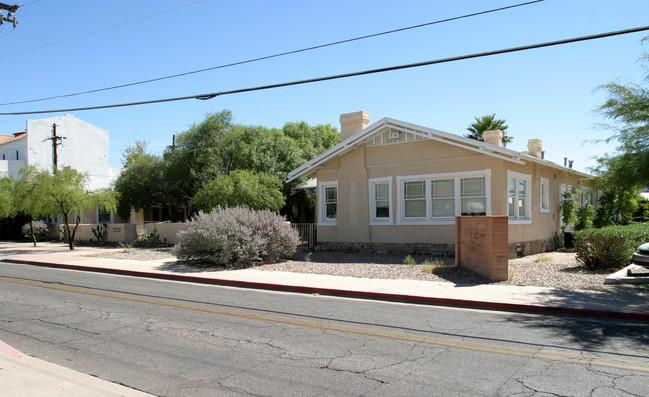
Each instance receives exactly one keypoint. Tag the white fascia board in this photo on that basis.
(341, 148)
(556, 166)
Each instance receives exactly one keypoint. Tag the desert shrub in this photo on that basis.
(437, 266)
(147, 240)
(409, 260)
(609, 247)
(41, 230)
(236, 237)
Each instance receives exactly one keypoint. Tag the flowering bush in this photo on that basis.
(236, 237)
(41, 230)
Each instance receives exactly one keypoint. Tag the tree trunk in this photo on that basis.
(31, 229)
(71, 233)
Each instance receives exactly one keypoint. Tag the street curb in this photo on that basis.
(404, 298)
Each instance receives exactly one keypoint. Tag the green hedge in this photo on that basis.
(610, 247)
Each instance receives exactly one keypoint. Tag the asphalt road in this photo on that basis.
(180, 339)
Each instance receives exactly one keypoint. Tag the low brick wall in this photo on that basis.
(481, 245)
(168, 232)
(434, 250)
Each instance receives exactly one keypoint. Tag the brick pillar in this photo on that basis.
(481, 245)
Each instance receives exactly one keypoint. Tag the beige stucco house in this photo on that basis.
(394, 183)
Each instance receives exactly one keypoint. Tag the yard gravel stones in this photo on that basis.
(552, 269)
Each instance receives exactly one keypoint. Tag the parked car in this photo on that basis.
(641, 256)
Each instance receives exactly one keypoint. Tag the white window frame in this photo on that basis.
(516, 219)
(429, 219)
(374, 221)
(544, 200)
(322, 204)
(585, 192)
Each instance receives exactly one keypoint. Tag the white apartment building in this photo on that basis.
(79, 145)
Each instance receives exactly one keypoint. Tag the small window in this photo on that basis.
(518, 196)
(474, 196)
(443, 198)
(17, 156)
(328, 200)
(103, 216)
(545, 195)
(3, 156)
(380, 201)
(415, 199)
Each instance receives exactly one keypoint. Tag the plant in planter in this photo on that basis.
(569, 208)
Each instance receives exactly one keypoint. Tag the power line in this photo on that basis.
(274, 55)
(347, 75)
(98, 31)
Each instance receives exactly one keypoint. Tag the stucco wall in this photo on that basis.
(84, 146)
(352, 170)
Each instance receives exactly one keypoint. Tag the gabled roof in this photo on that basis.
(7, 138)
(358, 139)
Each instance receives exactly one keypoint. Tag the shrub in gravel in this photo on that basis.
(236, 237)
(41, 230)
(609, 248)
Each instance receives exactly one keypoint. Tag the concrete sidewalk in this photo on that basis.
(628, 302)
(22, 375)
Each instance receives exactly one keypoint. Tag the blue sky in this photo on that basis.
(546, 93)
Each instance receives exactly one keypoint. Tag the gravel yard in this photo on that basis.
(551, 269)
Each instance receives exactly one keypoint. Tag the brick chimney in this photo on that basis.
(535, 147)
(494, 137)
(351, 123)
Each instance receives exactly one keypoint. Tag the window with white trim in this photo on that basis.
(586, 197)
(380, 201)
(439, 198)
(545, 195)
(518, 196)
(442, 197)
(328, 203)
(474, 196)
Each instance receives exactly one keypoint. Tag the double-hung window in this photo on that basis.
(328, 203)
(442, 197)
(518, 197)
(439, 198)
(414, 198)
(380, 201)
(474, 196)
(545, 195)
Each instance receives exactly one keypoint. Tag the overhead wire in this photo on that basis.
(262, 58)
(100, 30)
(347, 75)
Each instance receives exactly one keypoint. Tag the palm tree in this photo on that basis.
(488, 123)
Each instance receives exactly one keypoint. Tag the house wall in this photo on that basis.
(84, 146)
(352, 171)
(10, 166)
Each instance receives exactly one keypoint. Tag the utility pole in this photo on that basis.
(56, 141)
(9, 18)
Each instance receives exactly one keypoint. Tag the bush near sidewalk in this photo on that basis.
(236, 237)
(609, 248)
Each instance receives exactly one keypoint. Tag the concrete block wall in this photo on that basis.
(481, 245)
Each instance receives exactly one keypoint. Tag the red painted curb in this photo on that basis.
(465, 303)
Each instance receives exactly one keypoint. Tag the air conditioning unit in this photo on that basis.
(394, 134)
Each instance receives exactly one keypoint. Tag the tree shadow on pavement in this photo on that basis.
(594, 332)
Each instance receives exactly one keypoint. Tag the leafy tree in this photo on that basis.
(26, 201)
(141, 184)
(488, 123)
(65, 193)
(627, 107)
(212, 149)
(569, 207)
(6, 197)
(131, 153)
(257, 191)
(616, 206)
